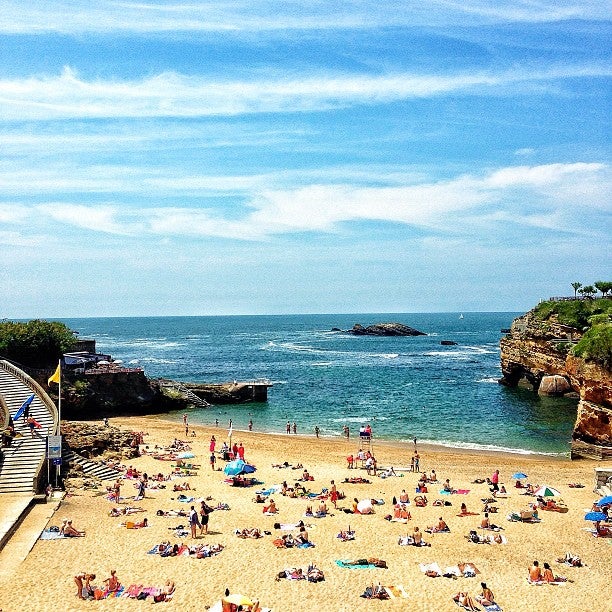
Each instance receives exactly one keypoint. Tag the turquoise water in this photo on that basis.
(405, 387)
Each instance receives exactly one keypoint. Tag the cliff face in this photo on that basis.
(535, 352)
(115, 394)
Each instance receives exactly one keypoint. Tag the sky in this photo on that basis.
(258, 157)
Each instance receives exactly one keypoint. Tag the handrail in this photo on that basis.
(4, 414)
(38, 390)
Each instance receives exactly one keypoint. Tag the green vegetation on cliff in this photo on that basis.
(593, 317)
(36, 344)
(596, 345)
(574, 313)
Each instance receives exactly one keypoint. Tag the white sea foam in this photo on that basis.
(487, 447)
(302, 348)
(157, 360)
(358, 419)
(488, 380)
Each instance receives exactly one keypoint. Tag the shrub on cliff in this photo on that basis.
(573, 313)
(596, 345)
(36, 344)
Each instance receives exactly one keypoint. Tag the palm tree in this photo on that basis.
(589, 291)
(604, 287)
(576, 286)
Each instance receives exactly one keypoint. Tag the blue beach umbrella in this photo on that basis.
(604, 501)
(519, 475)
(237, 467)
(595, 516)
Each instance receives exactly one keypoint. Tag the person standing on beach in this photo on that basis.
(241, 452)
(495, 482)
(417, 461)
(294, 428)
(204, 512)
(185, 419)
(213, 459)
(213, 443)
(250, 424)
(317, 431)
(216, 422)
(333, 494)
(194, 523)
(288, 427)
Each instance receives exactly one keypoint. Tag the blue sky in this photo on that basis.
(234, 157)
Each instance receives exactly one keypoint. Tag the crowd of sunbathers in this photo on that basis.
(199, 551)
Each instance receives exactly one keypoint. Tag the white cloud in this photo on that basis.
(561, 196)
(98, 218)
(171, 94)
(247, 16)
(12, 213)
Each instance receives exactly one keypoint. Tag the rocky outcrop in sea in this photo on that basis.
(383, 329)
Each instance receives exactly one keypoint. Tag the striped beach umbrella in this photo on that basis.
(546, 491)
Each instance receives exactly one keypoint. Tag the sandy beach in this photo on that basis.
(44, 581)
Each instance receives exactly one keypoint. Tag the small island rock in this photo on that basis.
(385, 329)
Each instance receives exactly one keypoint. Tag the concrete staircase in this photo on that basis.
(21, 464)
(93, 469)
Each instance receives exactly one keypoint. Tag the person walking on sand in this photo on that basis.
(194, 522)
(333, 494)
(495, 481)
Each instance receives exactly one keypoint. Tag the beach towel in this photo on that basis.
(492, 608)
(185, 499)
(344, 564)
(132, 590)
(430, 569)
(52, 535)
(396, 591)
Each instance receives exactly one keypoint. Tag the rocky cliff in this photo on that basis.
(116, 393)
(538, 352)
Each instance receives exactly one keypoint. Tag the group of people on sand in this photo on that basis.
(86, 590)
(545, 575)
(68, 530)
(199, 519)
(485, 598)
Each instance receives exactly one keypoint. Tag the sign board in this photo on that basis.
(54, 447)
(57, 461)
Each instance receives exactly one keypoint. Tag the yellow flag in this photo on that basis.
(55, 377)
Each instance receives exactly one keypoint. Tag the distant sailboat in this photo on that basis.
(461, 316)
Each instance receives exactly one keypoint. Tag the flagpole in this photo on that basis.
(59, 417)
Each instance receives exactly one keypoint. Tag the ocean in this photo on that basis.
(405, 387)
